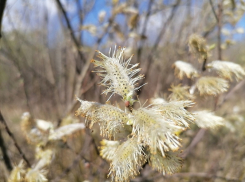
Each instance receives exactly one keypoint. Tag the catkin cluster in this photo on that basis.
(45, 138)
(135, 136)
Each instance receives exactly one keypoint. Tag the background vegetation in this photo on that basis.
(45, 54)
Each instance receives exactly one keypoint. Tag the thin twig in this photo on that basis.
(84, 90)
(93, 143)
(219, 30)
(203, 175)
(14, 140)
(154, 48)
(232, 91)
(71, 32)
(144, 30)
(86, 66)
(212, 6)
(194, 142)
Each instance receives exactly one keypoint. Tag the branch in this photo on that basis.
(72, 34)
(212, 6)
(232, 91)
(194, 142)
(92, 83)
(203, 175)
(154, 48)
(2, 6)
(144, 29)
(82, 75)
(219, 30)
(14, 140)
(6, 158)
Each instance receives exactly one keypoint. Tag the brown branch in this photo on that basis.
(203, 175)
(14, 140)
(2, 7)
(188, 175)
(154, 48)
(232, 91)
(6, 158)
(144, 30)
(194, 142)
(164, 28)
(84, 90)
(78, 69)
(219, 30)
(212, 6)
(81, 77)
(81, 18)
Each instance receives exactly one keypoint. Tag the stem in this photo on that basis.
(204, 64)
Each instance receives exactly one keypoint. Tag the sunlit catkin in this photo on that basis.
(18, 173)
(108, 149)
(169, 164)
(179, 92)
(227, 69)
(118, 75)
(184, 69)
(207, 119)
(212, 85)
(155, 131)
(127, 160)
(176, 112)
(111, 119)
(36, 176)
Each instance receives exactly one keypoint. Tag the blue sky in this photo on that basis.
(20, 13)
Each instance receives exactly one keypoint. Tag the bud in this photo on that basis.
(180, 93)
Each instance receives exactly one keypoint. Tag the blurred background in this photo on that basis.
(45, 54)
